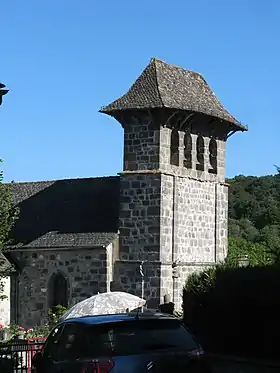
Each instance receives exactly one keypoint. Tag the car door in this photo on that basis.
(45, 361)
(64, 354)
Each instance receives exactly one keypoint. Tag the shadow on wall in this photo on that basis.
(240, 314)
(65, 206)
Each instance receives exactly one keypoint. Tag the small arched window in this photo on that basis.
(188, 150)
(57, 290)
(213, 156)
(174, 148)
(200, 153)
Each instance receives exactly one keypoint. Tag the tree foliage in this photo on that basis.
(8, 215)
(254, 217)
(257, 254)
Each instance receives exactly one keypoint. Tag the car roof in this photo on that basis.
(106, 319)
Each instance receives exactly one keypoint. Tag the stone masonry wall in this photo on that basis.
(193, 229)
(141, 144)
(193, 211)
(139, 217)
(221, 222)
(85, 270)
(188, 228)
(140, 235)
(127, 277)
(195, 221)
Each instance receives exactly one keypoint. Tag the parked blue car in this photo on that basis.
(124, 343)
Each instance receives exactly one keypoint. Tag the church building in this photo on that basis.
(166, 212)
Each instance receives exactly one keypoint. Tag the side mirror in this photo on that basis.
(37, 358)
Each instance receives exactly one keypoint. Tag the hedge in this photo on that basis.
(235, 310)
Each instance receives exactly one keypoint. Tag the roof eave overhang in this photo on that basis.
(234, 124)
(238, 127)
(51, 248)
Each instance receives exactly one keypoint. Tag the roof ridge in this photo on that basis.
(55, 180)
(177, 66)
(155, 62)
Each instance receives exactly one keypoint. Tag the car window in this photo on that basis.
(52, 341)
(68, 346)
(136, 337)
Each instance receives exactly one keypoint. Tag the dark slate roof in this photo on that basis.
(162, 85)
(66, 213)
(58, 239)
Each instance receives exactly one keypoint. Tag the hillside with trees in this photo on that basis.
(254, 217)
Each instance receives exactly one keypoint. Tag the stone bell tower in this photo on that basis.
(174, 200)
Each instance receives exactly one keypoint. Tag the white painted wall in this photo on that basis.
(5, 305)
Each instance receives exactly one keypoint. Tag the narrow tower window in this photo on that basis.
(200, 153)
(174, 148)
(57, 290)
(188, 150)
(213, 156)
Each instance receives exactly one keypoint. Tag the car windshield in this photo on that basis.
(135, 337)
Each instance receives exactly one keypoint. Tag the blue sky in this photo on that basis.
(63, 59)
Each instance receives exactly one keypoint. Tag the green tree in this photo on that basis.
(270, 236)
(258, 254)
(254, 215)
(8, 215)
(243, 228)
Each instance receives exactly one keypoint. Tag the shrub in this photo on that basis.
(235, 310)
(54, 315)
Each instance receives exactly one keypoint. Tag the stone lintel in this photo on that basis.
(157, 262)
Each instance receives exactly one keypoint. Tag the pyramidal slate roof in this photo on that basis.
(66, 213)
(162, 85)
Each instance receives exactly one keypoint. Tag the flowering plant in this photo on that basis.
(13, 330)
(2, 328)
(38, 332)
(29, 333)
